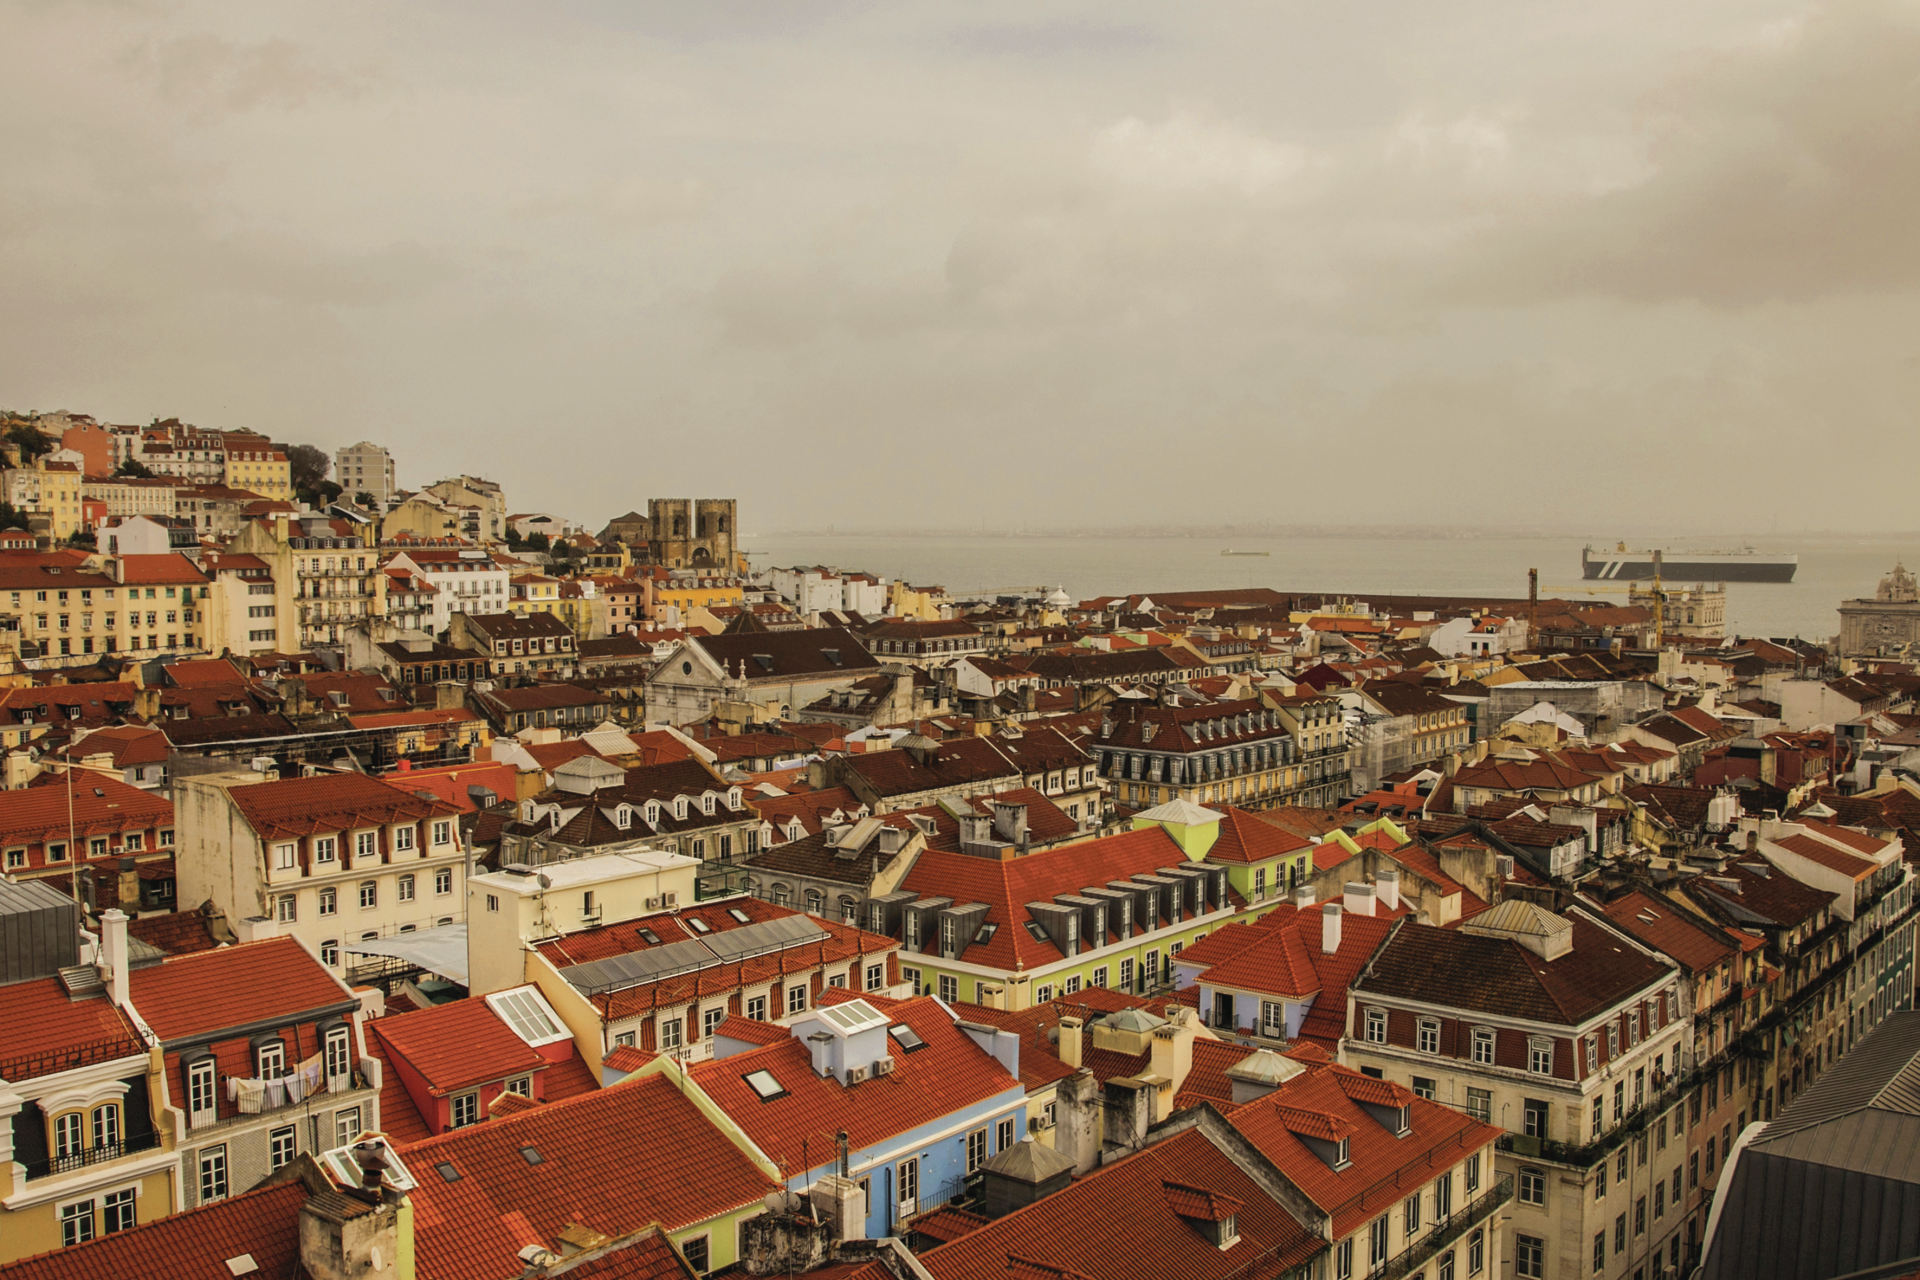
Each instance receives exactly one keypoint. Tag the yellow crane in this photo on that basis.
(1656, 589)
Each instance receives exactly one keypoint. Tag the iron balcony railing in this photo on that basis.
(1446, 1231)
(53, 1165)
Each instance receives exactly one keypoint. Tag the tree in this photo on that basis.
(537, 542)
(307, 466)
(133, 468)
(11, 517)
(29, 442)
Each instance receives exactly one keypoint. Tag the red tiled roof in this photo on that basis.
(1006, 887)
(45, 1032)
(1244, 838)
(400, 1120)
(1383, 1168)
(101, 804)
(177, 933)
(451, 782)
(500, 1203)
(1826, 855)
(203, 671)
(1660, 925)
(458, 1045)
(1140, 1232)
(264, 1222)
(796, 1130)
(232, 987)
(330, 802)
(127, 745)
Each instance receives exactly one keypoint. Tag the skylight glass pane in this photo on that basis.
(738, 914)
(526, 1015)
(700, 926)
(906, 1037)
(763, 1083)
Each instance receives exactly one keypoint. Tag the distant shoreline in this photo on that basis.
(1343, 532)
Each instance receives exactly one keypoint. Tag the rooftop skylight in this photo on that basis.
(527, 1012)
(764, 1085)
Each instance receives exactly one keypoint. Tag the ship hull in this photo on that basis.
(1634, 565)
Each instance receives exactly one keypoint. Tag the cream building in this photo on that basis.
(365, 468)
(50, 488)
(332, 860)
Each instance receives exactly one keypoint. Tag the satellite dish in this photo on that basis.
(544, 882)
(379, 1264)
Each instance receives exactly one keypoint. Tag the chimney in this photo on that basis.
(1304, 896)
(1387, 884)
(1360, 898)
(113, 953)
(1753, 842)
(1171, 1057)
(1330, 928)
(1070, 1041)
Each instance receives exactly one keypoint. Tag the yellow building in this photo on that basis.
(54, 489)
(684, 593)
(425, 519)
(257, 464)
(904, 601)
(86, 1136)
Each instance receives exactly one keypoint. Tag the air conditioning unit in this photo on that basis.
(669, 899)
(856, 1075)
(653, 904)
(883, 1066)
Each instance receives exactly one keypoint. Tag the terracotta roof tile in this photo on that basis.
(264, 1223)
(501, 1203)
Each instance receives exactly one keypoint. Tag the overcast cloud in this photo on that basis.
(1099, 263)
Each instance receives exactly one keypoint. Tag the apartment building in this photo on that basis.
(331, 859)
(1572, 1038)
(521, 644)
(256, 464)
(1237, 753)
(333, 575)
(80, 1094)
(64, 614)
(74, 823)
(265, 1060)
(365, 468)
(52, 489)
(465, 579)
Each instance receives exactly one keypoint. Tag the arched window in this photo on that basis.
(816, 902)
(782, 895)
(849, 910)
(106, 1125)
(68, 1134)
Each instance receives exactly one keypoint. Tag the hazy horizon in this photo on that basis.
(1634, 267)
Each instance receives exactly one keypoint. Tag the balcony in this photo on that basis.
(1446, 1231)
(53, 1166)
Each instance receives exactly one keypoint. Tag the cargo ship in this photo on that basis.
(1744, 565)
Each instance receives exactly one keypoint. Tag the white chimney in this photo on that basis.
(1330, 928)
(113, 952)
(1303, 896)
(1387, 885)
(1360, 899)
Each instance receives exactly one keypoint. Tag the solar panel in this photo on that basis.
(768, 935)
(614, 973)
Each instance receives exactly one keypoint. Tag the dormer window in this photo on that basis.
(623, 817)
(652, 814)
(679, 807)
(706, 804)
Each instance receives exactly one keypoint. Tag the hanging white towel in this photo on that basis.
(252, 1093)
(295, 1087)
(276, 1092)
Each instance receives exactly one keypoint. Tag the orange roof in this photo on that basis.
(498, 1202)
(458, 1045)
(44, 1031)
(232, 987)
(263, 1223)
(330, 802)
(796, 1130)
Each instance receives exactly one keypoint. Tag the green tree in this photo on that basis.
(29, 442)
(307, 467)
(133, 468)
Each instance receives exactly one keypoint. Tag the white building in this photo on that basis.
(332, 859)
(466, 580)
(365, 468)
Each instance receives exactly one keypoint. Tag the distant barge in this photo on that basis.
(1246, 553)
(1744, 565)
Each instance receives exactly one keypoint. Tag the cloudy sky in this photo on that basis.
(1042, 264)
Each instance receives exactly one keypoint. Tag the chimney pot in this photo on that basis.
(1304, 896)
(1360, 899)
(1330, 928)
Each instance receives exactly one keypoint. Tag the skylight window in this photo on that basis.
(739, 916)
(447, 1172)
(531, 1156)
(528, 1014)
(764, 1085)
(906, 1037)
(1038, 930)
(649, 937)
(698, 925)
(986, 933)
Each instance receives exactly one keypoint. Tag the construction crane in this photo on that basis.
(1657, 591)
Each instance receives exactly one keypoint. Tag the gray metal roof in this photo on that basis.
(616, 973)
(1833, 1185)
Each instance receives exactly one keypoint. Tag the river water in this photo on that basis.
(1831, 569)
